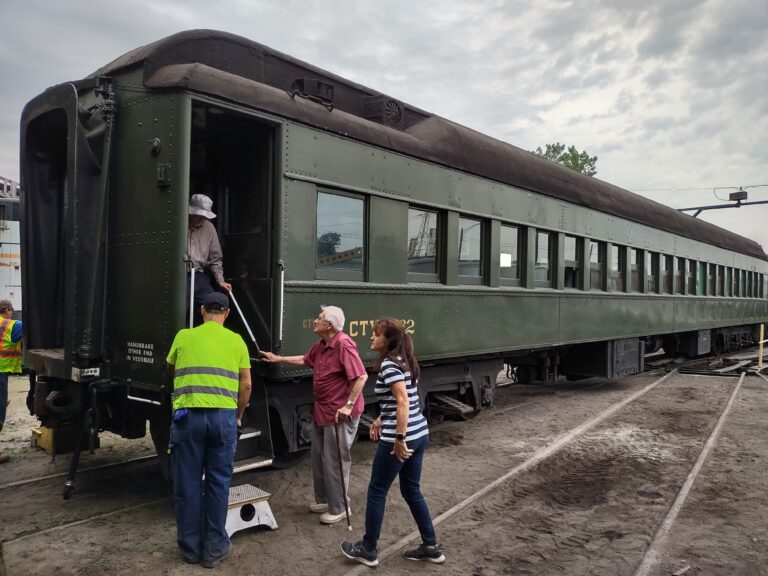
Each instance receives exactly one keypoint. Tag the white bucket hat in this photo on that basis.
(201, 205)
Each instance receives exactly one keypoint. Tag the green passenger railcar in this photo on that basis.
(331, 193)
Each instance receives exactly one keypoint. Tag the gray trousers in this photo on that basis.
(325, 462)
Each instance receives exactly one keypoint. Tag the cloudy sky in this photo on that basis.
(671, 95)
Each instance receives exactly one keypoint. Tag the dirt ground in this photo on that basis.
(592, 508)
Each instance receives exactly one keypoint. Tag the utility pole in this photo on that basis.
(739, 197)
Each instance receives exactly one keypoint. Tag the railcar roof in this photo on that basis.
(244, 71)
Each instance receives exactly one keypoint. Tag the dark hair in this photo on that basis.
(399, 346)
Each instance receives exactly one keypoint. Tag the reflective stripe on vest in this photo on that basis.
(10, 352)
(182, 376)
(208, 370)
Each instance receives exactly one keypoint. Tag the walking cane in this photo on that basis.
(341, 475)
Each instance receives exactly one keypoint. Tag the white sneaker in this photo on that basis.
(330, 518)
(318, 507)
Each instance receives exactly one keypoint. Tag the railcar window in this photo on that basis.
(470, 247)
(721, 280)
(743, 283)
(762, 286)
(734, 282)
(669, 272)
(635, 269)
(543, 266)
(509, 254)
(749, 284)
(618, 258)
(652, 262)
(423, 234)
(572, 256)
(680, 276)
(711, 279)
(691, 277)
(340, 232)
(597, 265)
(663, 274)
(701, 278)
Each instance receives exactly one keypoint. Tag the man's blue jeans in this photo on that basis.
(204, 441)
(3, 396)
(386, 467)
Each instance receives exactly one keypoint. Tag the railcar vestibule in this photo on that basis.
(231, 160)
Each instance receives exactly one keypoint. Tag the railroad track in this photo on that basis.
(507, 482)
(98, 505)
(111, 465)
(571, 473)
(91, 480)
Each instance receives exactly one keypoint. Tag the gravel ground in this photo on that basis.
(592, 508)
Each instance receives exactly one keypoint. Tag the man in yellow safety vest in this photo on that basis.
(211, 388)
(10, 357)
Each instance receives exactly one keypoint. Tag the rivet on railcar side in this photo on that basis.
(346, 196)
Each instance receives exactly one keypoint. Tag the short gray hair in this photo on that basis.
(335, 316)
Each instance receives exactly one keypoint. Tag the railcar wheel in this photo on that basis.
(160, 431)
(524, 374)
(718, 345)
(288, 459)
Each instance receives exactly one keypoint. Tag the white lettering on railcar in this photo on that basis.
(143, 352)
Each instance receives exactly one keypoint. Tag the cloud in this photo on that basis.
(667, 94)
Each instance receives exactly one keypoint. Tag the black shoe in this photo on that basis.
(190, 560)
(424, 552)
(212, 563)
(358, 552)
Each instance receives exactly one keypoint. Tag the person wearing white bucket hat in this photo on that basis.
(204, 250)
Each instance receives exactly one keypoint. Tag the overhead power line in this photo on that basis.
(670, 190)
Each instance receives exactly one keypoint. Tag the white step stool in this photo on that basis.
(248, 506)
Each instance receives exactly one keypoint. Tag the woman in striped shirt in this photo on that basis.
(403, 436)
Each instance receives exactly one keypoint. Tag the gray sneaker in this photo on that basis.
(431, 553)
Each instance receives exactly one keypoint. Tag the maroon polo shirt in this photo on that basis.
(335, 365)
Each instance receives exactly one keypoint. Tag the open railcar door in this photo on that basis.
(232, 162)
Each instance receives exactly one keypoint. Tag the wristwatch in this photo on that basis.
(349, 403)
(400, 437)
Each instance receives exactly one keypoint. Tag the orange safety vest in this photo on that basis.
(10, 352)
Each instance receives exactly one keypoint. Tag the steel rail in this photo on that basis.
(651, 556)
(536, 458)
(84, 520)
(60, 474)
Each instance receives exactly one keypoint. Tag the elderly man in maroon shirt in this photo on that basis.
(337, 384)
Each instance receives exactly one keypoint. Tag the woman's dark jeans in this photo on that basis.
(386, 467)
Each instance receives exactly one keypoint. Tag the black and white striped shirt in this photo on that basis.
(389, 373)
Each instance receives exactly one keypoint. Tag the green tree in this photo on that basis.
(328, 243)
(572, 158)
